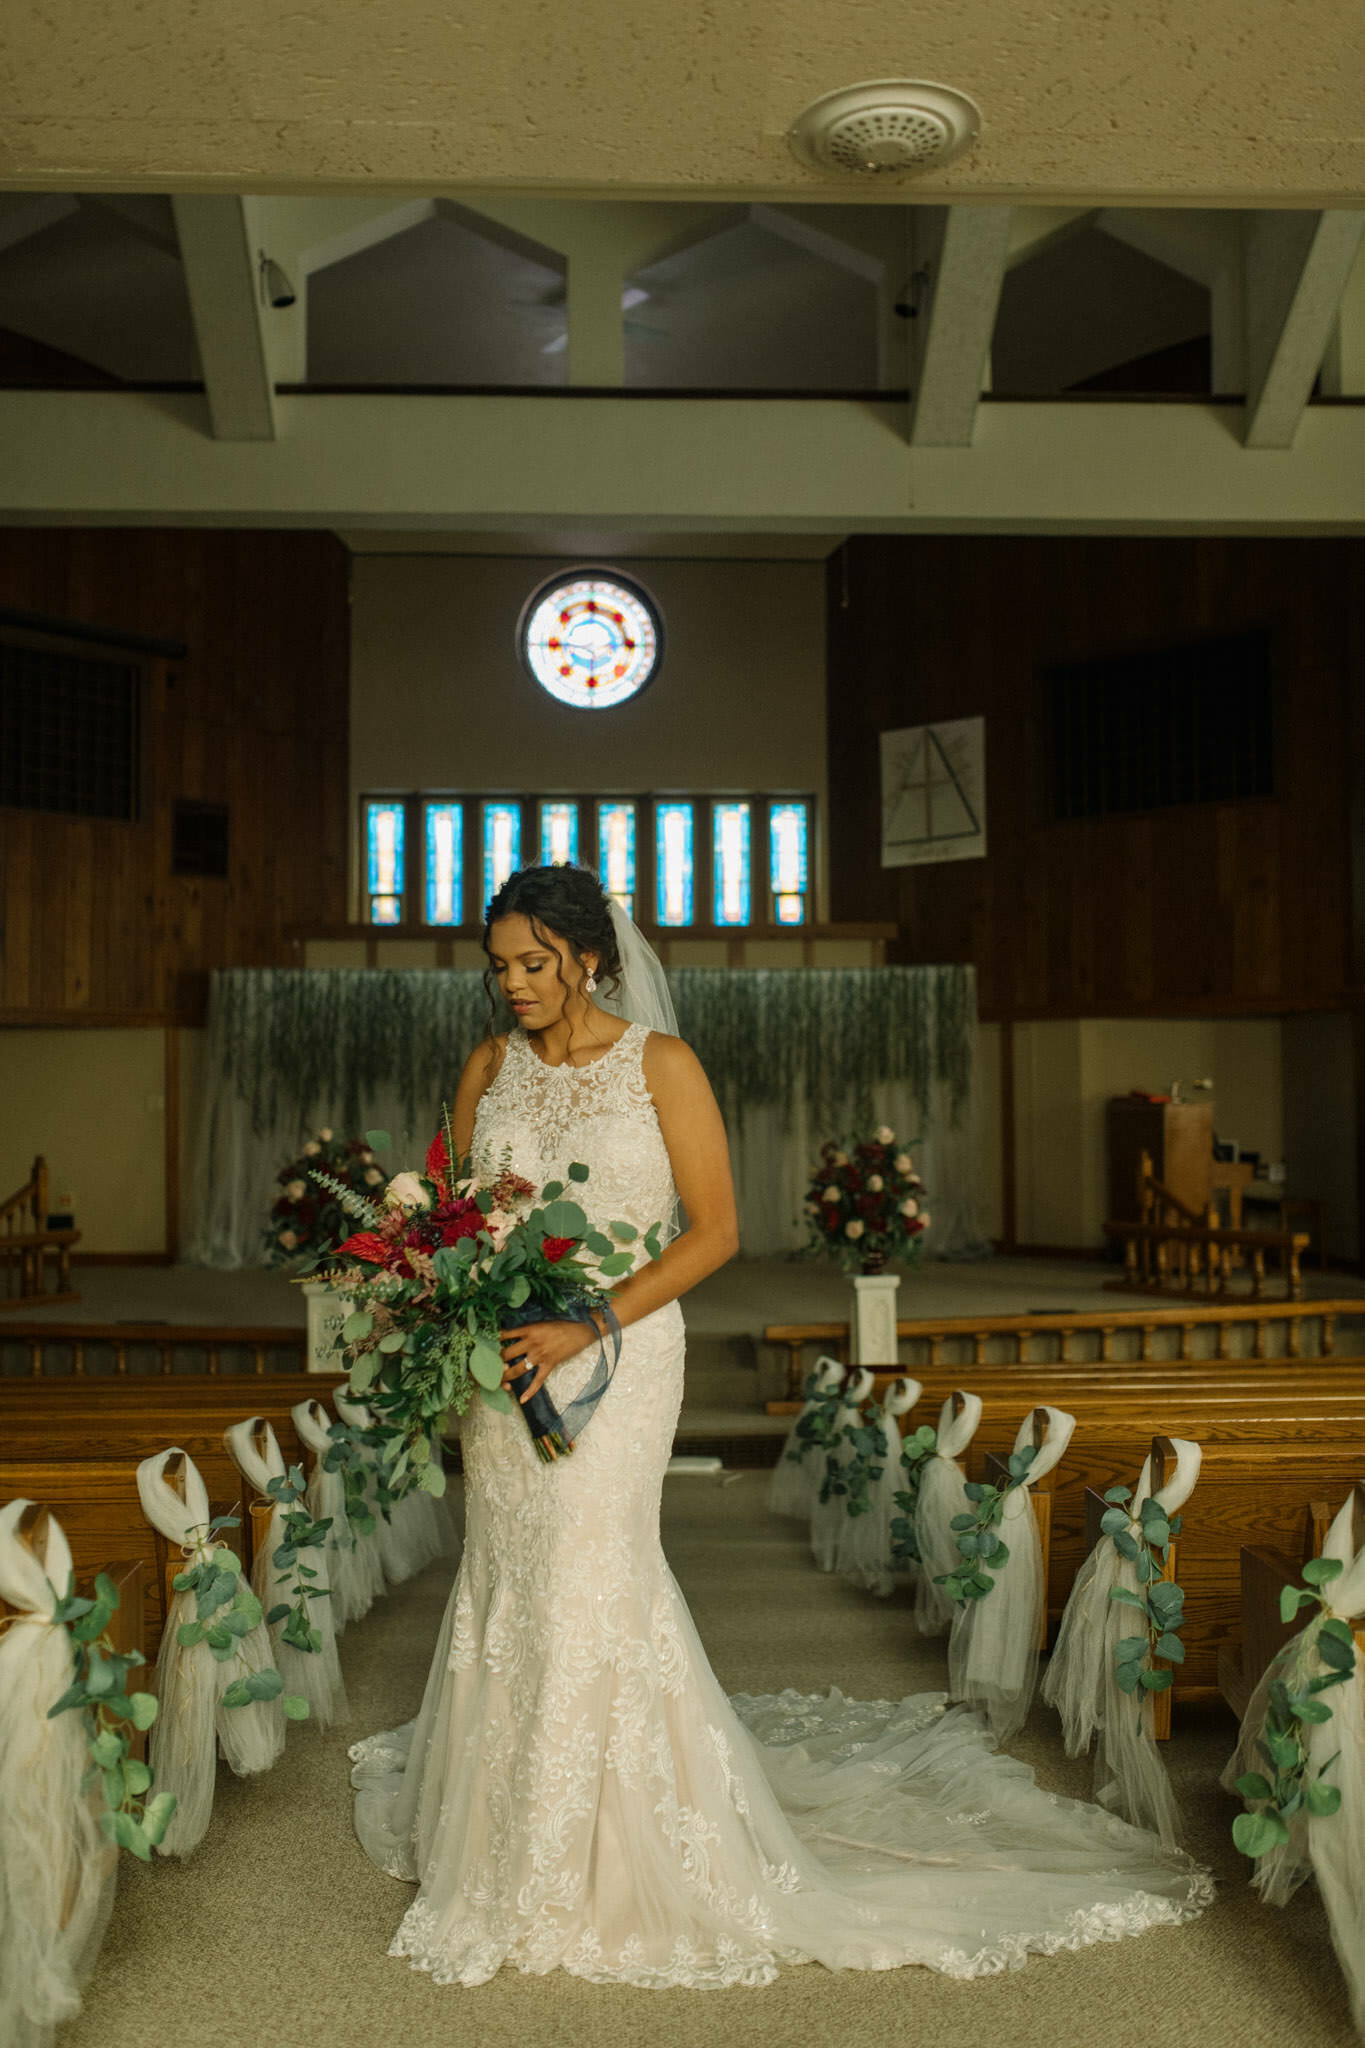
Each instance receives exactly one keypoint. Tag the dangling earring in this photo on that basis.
(591, 983)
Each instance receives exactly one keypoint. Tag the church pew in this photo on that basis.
(98, 1506)
(1264, 1572)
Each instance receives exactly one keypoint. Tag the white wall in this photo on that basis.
(1066, 1070)
(439, 698)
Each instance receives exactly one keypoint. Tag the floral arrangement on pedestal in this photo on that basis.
(865, 1205)
(306, 1218)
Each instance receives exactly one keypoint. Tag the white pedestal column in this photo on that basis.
(874, 1320)
(327, 1311)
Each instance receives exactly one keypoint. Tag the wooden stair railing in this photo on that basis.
(26, 1244)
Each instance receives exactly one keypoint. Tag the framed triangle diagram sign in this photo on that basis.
(934, 793)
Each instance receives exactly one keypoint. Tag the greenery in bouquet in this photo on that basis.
(442, 1265)
(865, 1205)
(306, 1218)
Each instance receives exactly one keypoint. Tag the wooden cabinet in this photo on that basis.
(1179, 1138)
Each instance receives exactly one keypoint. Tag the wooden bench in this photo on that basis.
(98, 1506)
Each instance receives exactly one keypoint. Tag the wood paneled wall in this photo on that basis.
(93, 924)
(1204, 908)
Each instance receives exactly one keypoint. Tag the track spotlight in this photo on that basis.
(276, 289)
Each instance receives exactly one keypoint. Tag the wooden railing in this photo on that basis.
(26, 1244)
(1161, 1258)
(1173, 1249)
(1115, 1336)
(101, 1350)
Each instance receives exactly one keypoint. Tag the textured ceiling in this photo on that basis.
(1216, 101)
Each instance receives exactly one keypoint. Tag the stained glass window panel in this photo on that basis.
(591, 641)
(501, 846)
(384, 861)
(673, 862)
(444, 835)
(616, 853)
(730, 850)
(789, 843)
(558, 833)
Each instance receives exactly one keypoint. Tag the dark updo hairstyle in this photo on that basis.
(568, 902)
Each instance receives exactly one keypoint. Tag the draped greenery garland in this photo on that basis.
(313, 1040)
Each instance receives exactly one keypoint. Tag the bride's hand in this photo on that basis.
(541, 1346)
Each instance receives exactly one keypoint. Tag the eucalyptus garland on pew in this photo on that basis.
(815, 1429)
(850, 1480)
(99, 1692)
(216, 1583)
(978, 1544)
(1161, 1602)
(1293, 1703)
(916, 1448)
(302, 1535)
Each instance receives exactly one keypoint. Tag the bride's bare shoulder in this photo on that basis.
(482, 1067)
(670, 1063)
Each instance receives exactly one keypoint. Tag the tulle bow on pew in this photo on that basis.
(795, 1483)
(57, 1872)
(995, 1643)
(940, 1498)
(865, 1548)
(1328, 1846)
(829, 1514)
(313, 1675)
(190, 1680)
(1082, 1680)
(349, 1575)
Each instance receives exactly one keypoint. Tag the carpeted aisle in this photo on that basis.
(275, 1931)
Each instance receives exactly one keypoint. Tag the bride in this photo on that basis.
(577, 1792)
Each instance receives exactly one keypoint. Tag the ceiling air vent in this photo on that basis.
(887, 125)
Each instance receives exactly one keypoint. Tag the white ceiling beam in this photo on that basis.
(966, 272)
(1297, 267)
(809, 228)
(1343, 367)
(219, 253)
(713, 465)
(27, 213)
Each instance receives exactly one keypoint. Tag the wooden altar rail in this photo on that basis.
(26, 1244)
(207, 1340)
(1163, 1258)
(1108, 1326)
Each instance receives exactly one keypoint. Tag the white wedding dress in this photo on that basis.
(577, 1791)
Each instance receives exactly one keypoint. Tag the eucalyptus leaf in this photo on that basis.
(1320, 1571)
(357, 1326)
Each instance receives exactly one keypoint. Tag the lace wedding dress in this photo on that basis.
(577, 1791)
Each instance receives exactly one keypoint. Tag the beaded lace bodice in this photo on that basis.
(541, 1119)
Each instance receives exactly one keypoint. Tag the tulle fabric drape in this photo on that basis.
(995, 1642)
(57, 1872)
(1330, 1847)
(190, 1681)
(1130, 1775)
(827, 1517)
(313, 1675)
(796, 1476)
(865, 1546)
(941, 1497)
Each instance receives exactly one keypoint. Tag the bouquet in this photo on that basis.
(865, 1203)
(441, 1266)
(306, 1219)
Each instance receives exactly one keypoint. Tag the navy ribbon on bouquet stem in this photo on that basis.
(554, 1433)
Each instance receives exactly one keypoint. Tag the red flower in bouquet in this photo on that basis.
(364, 1245)
(438, 1163)
(554, 1248)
